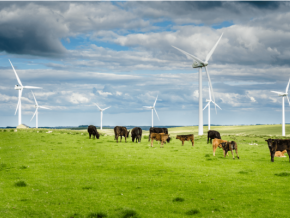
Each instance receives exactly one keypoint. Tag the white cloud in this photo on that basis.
(77, 98)
(104, 93)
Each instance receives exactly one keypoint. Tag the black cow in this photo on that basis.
(278, 145)
(212, 134)
(158, 130)
(92, 130)
(136, 133)
(121, 131)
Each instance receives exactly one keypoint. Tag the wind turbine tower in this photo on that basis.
(283, 95)
(102, 114)
(36, 111)
(153, 108)
(20, 88)
(197, 63)
(208, 105)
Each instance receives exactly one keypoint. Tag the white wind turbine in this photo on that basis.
(153, 108)
(283, 95)
(36, 111)
(208, 105)
(101, 114)
(20, 88)
(197, 63)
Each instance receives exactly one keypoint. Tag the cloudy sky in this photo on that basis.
(119, 54)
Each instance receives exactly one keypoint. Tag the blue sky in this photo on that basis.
(119, 54)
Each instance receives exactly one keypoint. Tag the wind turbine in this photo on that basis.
(197, 63)
(36, 111)
(283, 95)
(208, 105)
(101, 114)
(20, 88)
(153, 108)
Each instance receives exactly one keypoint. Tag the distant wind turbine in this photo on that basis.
(36, 111)
(20, 88)
(153, 108)
(101, 114)
(283, 95)
(197, 63)
(208, 105)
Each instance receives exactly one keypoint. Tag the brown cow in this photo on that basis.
(230, 146)
(280, 153)
(121, 131)
(186, 138)
(217, 143)
(162, 137)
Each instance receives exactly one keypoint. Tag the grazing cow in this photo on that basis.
(186, 138)
(230, 146)
(162, 137)
(278, 145)
(217, 143)
(136, 133)
(121, 131)
(212, 134)
(92, 130)
(157, 130)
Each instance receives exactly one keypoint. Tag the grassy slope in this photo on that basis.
(69, 175)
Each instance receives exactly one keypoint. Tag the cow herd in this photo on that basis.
(277, 147)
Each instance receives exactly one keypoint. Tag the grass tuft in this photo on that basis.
(3, 166)
(97, 215)
(20, 184)
(128, 213)
(87, 188)
(207, 155)
(282, 174)
(178, 199)
(192, 212)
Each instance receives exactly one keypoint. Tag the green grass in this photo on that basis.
(66, 174)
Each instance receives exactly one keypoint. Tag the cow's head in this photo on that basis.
(178, 137)
(271, 144)
(97, 135)
(168, 139)
(224, 144)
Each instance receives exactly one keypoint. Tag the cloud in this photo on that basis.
(77, 98)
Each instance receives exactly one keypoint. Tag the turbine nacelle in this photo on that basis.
(196, 64)
(17, 87)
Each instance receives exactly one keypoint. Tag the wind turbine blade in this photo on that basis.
(31, 87)
(15, 74)
(98, 106)
(34, 114)
(287, 86)
(209, 81)
(279, 93)
(156, 113)
(19, 99)
(190, 55)
(288, 100)
(155, 101)
(106, 108)
(34, 99)
(148, 107)
(216, 105)
(206, 106)
(212, 50)
(44, 107)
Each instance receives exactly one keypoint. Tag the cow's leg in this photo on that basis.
(213, 148)
(152, 142)
(192, 142)
(90, 135)
(149, 137)
(182, 143)
(288, 152)
(233, 154)
(237, 153)
(273, 155)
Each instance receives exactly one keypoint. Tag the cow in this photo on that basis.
(280, 153)
(186, 138)
(92, 130)
(278, 145)
(136, 133)
(162, 137)
(157, 130)
(212, 134)
(230, 146)
(121, 131)
(217, 143)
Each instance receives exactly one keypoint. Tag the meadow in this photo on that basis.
(66, 174)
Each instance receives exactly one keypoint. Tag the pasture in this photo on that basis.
(66, 174)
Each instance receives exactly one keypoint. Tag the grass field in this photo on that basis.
(66, 174)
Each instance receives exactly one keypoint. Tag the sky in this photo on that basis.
(120, 54)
